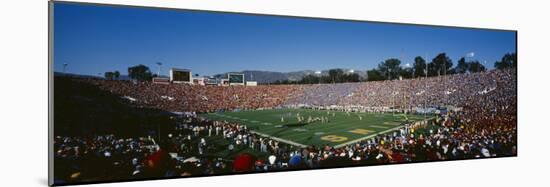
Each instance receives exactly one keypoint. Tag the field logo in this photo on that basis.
(360, 131)
(334, 138)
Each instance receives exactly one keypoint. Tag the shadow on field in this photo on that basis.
(295, 125)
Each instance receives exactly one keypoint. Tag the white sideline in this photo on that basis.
(279, 139)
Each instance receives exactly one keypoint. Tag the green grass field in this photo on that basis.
(341, 129)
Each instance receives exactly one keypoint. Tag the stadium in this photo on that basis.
(144, 129)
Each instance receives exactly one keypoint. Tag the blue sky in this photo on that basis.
(94, 39)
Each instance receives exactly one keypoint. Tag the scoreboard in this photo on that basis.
(236, 78)
(180, 75)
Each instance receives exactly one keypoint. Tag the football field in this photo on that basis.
(332, 128)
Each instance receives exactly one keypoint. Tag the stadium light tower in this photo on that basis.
(159, 64)
(470, 55)
(426, 88)
(408, 65)
(318, 73)
(444, 81)
(65, 67)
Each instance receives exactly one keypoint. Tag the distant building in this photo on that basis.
(251, 83)
(224, 82)
(161, 80)
(199, 81)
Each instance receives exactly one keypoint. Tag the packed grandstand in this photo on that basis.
(479, 121)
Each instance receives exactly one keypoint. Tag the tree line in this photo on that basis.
(139, 72)
(392, 68)
(440, 65)
(389, 69)
(110, 75)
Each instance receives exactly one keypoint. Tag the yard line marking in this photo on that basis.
(377, 126)
(390, 123)
(300, 130)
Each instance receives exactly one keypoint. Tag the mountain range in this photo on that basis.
(272, 76)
